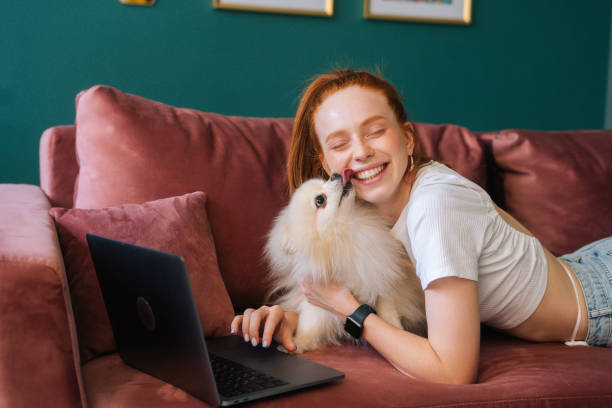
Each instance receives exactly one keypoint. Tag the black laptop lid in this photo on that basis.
(146, 324)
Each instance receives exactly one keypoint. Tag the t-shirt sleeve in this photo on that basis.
(446, 225)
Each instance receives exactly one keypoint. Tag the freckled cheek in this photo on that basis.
(391, 142)
(396, 147)
(337, 161)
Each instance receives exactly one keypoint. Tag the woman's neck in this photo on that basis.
(393, 207)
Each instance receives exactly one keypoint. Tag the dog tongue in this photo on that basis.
(346, 176)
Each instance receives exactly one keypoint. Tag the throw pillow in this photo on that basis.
(177, 225)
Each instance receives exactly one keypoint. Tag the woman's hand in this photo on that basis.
(278, 324)
(333, 297)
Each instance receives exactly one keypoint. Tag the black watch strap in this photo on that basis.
(354, 322)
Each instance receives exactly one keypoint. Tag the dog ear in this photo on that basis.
(286, 243)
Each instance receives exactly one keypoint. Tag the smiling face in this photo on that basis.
(358, 130)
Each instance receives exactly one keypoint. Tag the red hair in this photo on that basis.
(305, 159)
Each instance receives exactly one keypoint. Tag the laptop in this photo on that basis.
(157, 330)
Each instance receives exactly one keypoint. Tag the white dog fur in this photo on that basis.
(347, 241)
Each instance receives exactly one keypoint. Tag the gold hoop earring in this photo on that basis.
(411, 163)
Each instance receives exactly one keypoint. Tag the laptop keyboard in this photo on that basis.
(234, 379)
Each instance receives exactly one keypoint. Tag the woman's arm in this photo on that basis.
(448, 355)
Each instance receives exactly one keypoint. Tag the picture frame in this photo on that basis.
(426, 11)
(138, 2)
(323, 8)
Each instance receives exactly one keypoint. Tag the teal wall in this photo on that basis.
(522, 63)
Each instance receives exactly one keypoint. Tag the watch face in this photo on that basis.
(352, 327)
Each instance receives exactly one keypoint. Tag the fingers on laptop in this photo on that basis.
(250, 322)
(236, 324)
(285, 337)
(277, 326)
(246, 323)
(274, 323)
(255, 319)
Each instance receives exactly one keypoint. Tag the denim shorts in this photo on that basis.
(593, 267)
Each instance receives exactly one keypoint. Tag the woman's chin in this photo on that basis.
(379, 194)
(371, 194)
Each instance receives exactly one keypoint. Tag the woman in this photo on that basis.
(476, 262)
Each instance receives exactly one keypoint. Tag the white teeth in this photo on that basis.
(366, 174)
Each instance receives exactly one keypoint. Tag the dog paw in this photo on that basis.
(305, 342)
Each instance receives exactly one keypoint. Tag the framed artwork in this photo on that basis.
(323, 8)
(429, 11)
(138, 2)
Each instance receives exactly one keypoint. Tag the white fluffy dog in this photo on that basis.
(325, 234)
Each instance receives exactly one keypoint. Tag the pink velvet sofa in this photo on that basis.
(124, 150)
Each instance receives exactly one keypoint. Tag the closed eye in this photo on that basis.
(339, 146)
(376, 132)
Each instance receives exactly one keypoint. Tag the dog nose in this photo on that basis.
(335, 177)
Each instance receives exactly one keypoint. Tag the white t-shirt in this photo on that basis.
(451, 228)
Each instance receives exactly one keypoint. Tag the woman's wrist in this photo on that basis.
(348, 308)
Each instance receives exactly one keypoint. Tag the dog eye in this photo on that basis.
(320, 200)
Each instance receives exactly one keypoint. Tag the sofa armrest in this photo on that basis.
(39, 362)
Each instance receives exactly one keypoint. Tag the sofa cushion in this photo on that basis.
(456, 146)
(177, 225)
(512, 373)
(557, 184)
(133, 150)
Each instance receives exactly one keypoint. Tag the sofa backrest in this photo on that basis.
(58, 164)
(558, 184)
(131, 150)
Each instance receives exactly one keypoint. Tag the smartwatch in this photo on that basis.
(354, 323)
